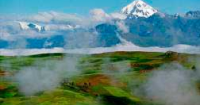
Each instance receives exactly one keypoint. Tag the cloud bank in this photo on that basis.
(99, 50)
(46, 76)
(173, 84)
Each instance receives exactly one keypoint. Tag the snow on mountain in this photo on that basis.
(47, 27)
(31, 26)
(139, 8)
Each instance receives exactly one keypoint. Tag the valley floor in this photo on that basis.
(81, 79)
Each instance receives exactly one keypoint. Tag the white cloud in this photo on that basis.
(173, 85)
(99, 15)
(102, 16)
(54, 22)
(8, 30)
(122, 47)
(11, 52)
(46, 76)
(122, 27)
(118, 16)
(4, 35)
(60, 27)
(55, 17)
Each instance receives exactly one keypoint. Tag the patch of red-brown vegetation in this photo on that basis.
(96, 80)
(2, 87)
(3, 73)
(145, 71)
(100, 79)
(145, 67)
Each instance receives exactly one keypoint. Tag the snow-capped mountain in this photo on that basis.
(31, 26)
(47, 27)
(139, 8)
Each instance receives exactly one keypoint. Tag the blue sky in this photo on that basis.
(84, 6)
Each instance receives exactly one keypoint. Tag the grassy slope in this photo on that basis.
(93, 82)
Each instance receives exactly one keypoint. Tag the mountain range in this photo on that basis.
(150, 27)
(146, 27)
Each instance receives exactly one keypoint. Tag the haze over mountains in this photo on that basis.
(138, 23)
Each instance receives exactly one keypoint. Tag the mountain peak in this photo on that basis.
(193, 14)
(31, 26)
(139, 8)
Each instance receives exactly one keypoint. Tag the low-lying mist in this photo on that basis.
(172, 84)
(46, 75)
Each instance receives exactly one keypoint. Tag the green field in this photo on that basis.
(103, 79)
